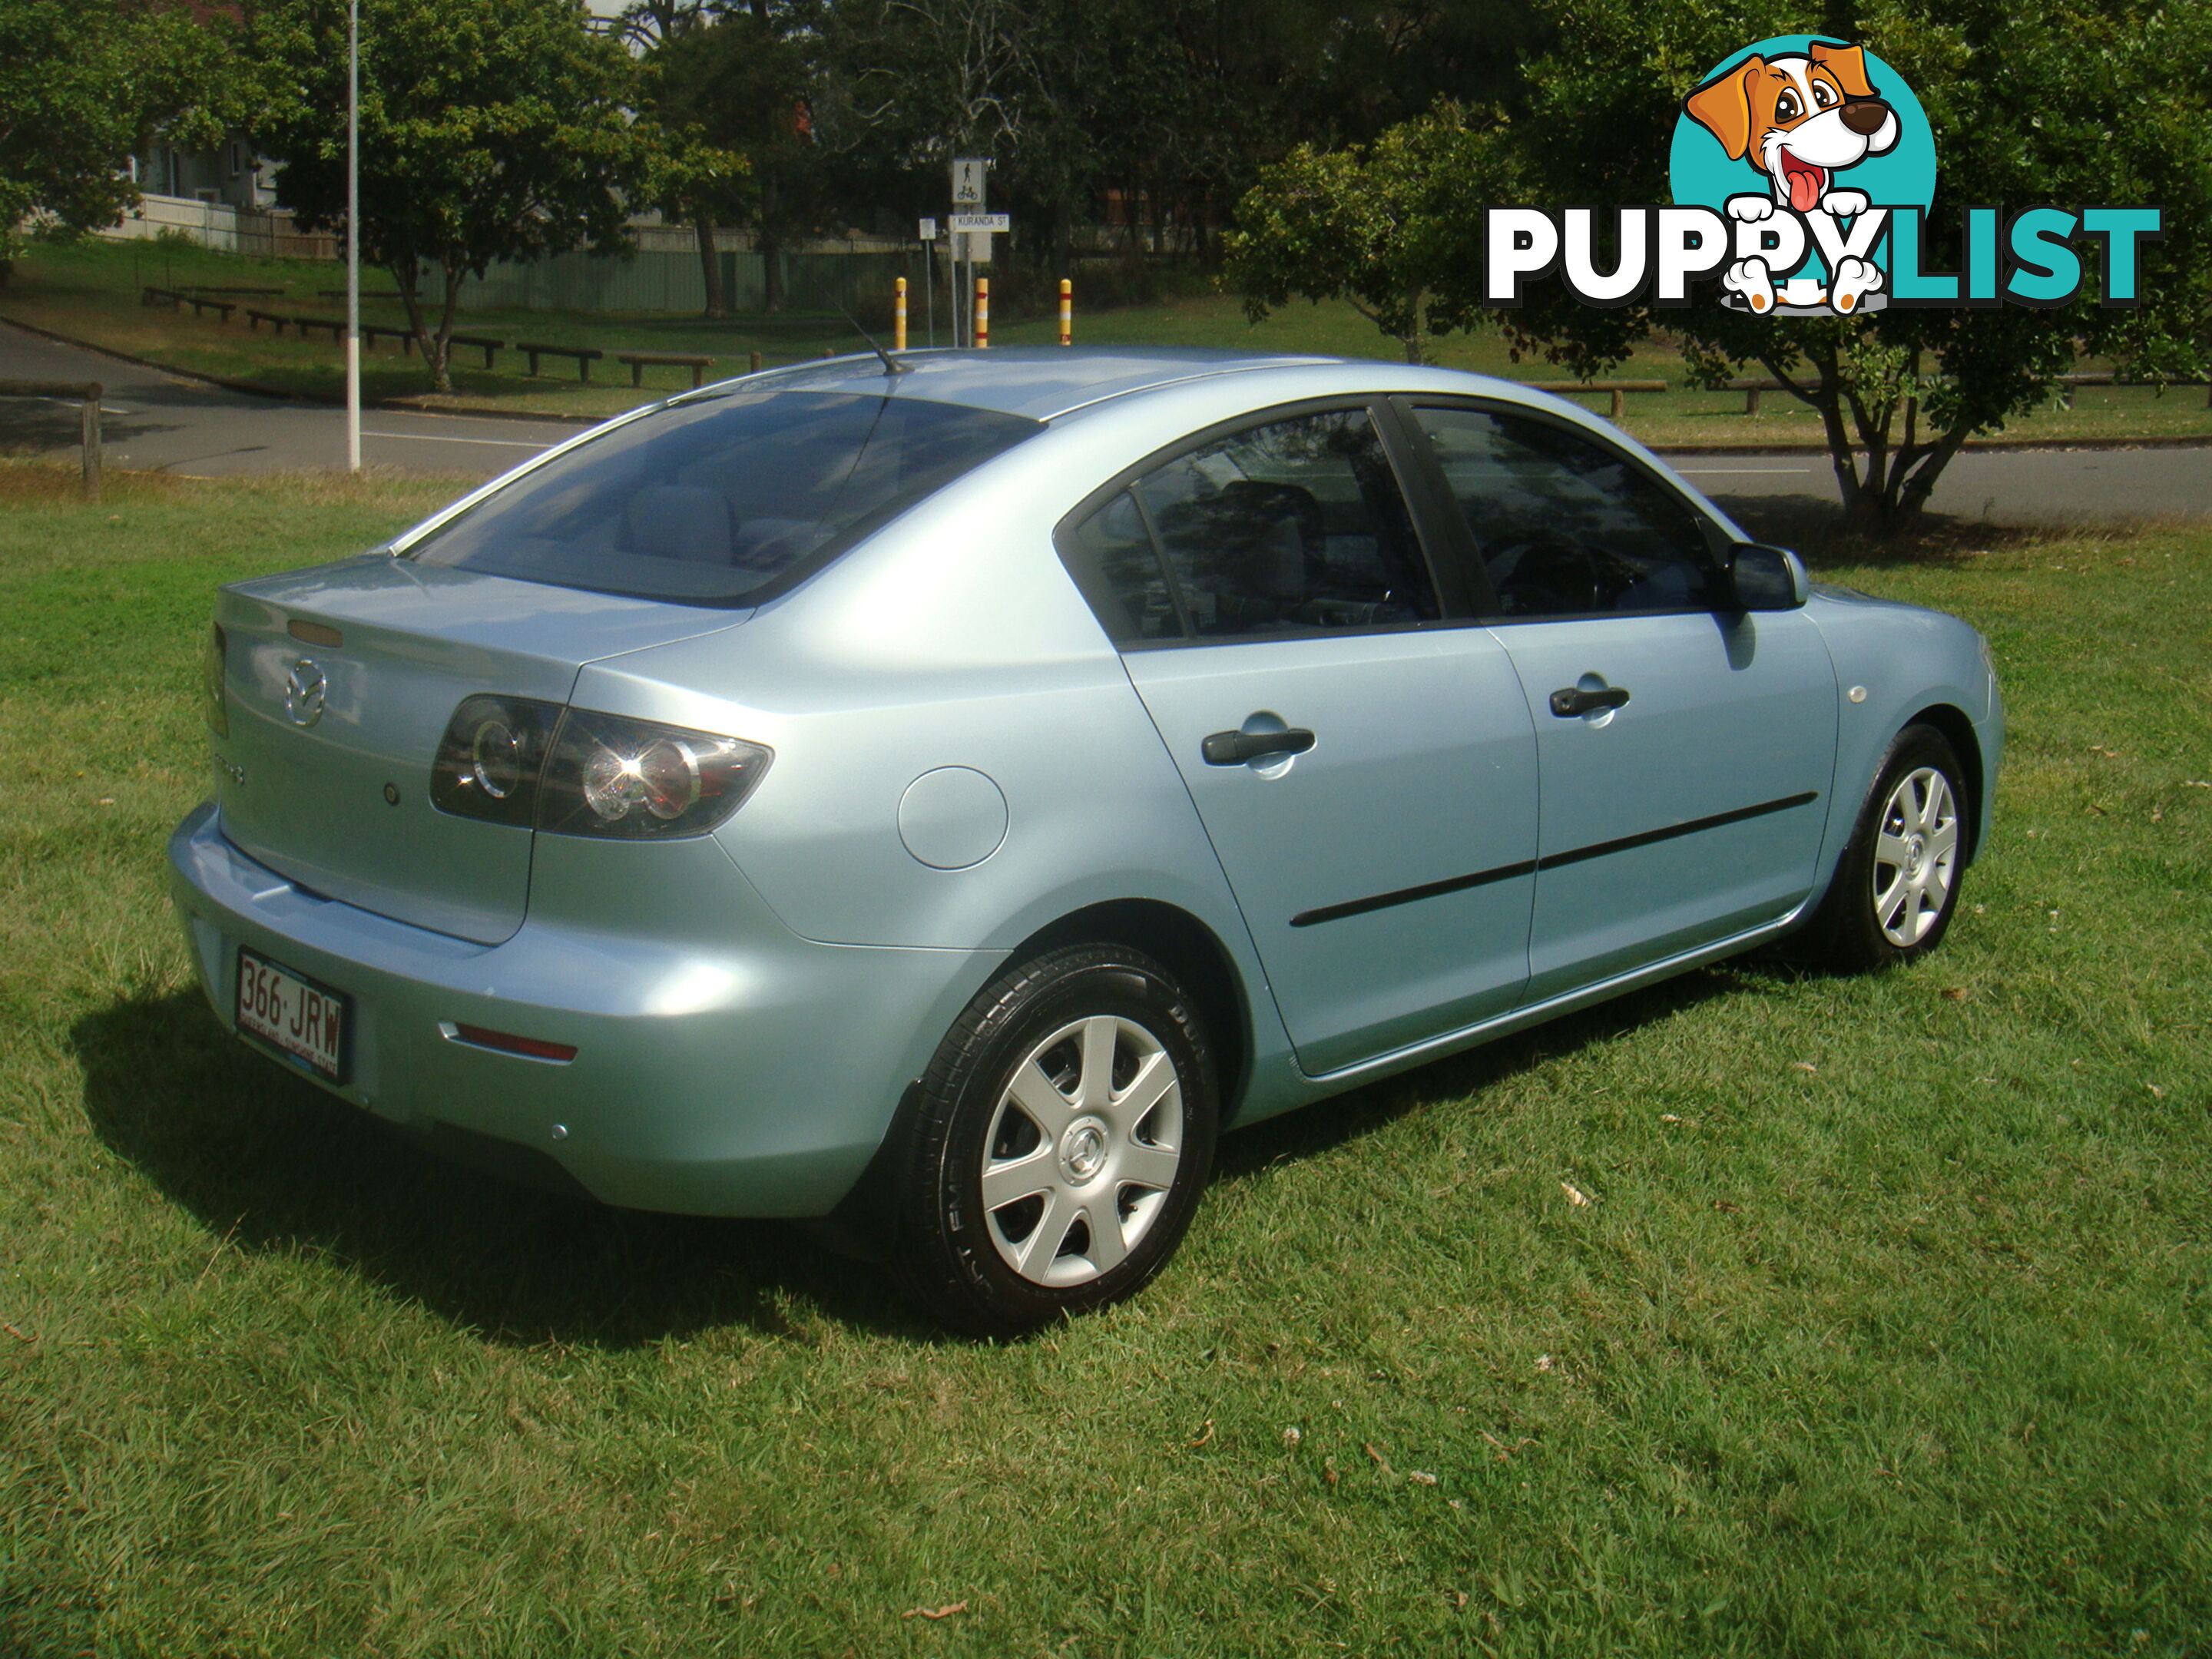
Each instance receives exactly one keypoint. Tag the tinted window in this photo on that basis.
(710, 498)
(1294, 526)
(1564, 526)
(1114, 560)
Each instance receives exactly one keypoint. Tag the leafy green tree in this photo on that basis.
(81, 89)
(489, 130)
(2075, 101)
(1376, 226)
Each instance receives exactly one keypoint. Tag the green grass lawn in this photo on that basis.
(90, 290)
(1885, 1331)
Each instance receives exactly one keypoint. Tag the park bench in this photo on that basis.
(478, 343)
(366, 293)
(1618, 389)
(277, 319)
(638, 361)
(1751, 389)
(372, 332)
(585, 356)
(174, 297)
(250, 292)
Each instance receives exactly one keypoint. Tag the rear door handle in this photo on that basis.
(1235, 748)
(1570, 701)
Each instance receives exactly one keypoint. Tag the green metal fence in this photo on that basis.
(670, 281)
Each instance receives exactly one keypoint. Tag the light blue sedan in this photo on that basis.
(937, 796)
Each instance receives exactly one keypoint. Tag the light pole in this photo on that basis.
(352, 236)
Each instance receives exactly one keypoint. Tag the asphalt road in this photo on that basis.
(2005, 486)
(157, 423)
(162, 423)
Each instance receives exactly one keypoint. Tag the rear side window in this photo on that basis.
(708, 500)
(1292, 527)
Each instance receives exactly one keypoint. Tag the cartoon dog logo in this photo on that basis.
(1800, 119)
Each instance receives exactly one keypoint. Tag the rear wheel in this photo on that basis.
(1058, 1144)
(1897, 886)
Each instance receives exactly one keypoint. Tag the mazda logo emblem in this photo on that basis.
(304, 692)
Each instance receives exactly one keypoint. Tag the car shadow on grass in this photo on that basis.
(271, 1164)
(1467, 1076)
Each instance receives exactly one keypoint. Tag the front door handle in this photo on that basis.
(1235, 748)
(1570, 701)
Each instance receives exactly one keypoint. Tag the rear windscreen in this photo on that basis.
(710, 499)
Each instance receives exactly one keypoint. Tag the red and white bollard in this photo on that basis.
(982, 311)
(1066, 312)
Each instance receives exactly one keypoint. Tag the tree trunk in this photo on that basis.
(439, 349)
(771, 249)
(406, 276)
(710, 266)
(1410, 339)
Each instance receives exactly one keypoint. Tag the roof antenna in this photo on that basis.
(891, 365)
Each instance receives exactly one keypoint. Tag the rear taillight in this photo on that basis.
(489, 759)
(516, 761)
(640, 781)
(213, 669)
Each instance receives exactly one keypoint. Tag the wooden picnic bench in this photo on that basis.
(372, 332)
(478, 342)
(250, 292)
(638, 362)
(172, 298)
(585, 356)
(277, 319)
(1618, 390)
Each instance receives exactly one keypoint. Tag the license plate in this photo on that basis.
(293, 1014)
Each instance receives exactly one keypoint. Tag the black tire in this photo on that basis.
(1872, 907)
(957, 1255)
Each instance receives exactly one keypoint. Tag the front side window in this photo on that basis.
(1565, 526)
(709, 499)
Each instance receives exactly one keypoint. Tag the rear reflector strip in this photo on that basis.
(506, 1042)
(314, 633)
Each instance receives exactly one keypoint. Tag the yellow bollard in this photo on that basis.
(982, 311)
(1066, 312)
(898, 317)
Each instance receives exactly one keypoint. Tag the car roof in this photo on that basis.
(1037, 382)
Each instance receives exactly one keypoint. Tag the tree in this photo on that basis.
(81, 89)
(489, 130)
(1376, 226)
(741, 91)
(2075, 101)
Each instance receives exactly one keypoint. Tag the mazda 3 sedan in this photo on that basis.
(936, 796)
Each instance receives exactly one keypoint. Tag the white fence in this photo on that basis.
(217, 224)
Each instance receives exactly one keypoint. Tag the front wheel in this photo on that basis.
(1058, 1144)
(1897, 886)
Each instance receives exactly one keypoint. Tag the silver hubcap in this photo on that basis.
(1915, 856)
(1082, 1150)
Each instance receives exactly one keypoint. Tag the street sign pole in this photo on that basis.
(969, 174)
(353, 237)
(929, 278)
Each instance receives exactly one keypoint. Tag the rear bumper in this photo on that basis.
(724, 1065)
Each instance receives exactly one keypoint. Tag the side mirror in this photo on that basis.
(1767, 578)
